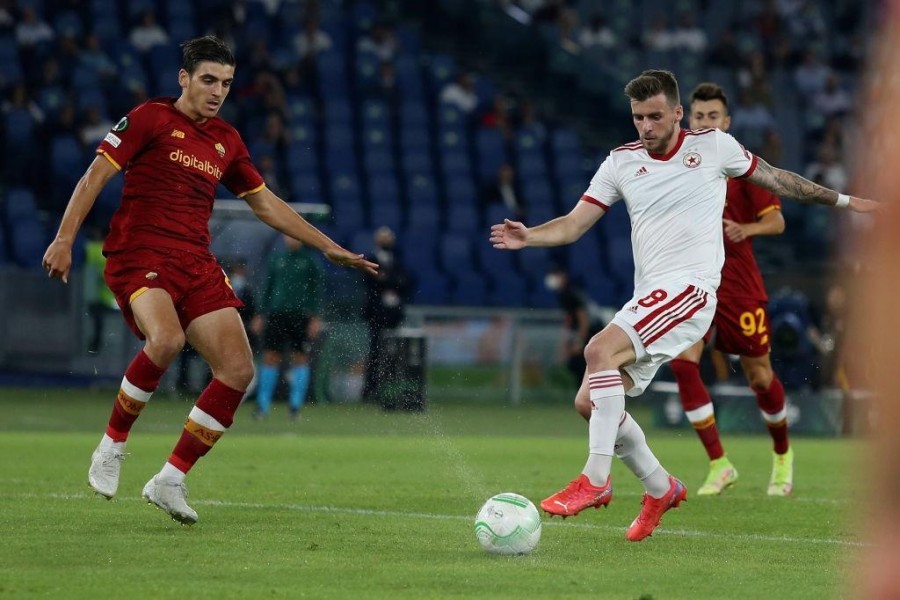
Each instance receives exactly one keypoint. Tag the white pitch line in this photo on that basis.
(365, 512)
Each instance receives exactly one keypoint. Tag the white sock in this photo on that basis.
(107, 442)
(632, 449)
(172, 473)
(607, 406)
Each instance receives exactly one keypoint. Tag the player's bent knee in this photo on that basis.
(165, 346)
(597, 353)
(237, 376)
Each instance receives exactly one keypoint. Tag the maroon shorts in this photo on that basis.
(741, 326)
(194, 280)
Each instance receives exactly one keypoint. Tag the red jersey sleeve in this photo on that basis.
(763, 200)
(241, 177)
(129, 135)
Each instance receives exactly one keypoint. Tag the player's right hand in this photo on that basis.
(861, 205)
(509, 235)
(58, 260)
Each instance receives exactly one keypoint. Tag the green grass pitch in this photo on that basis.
(355, 503)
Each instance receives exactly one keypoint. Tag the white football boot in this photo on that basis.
(170, 497)
(106, 463)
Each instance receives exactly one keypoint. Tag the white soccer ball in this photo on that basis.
(508, 524)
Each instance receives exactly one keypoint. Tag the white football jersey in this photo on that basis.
(675, 202)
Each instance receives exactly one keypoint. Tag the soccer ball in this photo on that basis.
(508, 524)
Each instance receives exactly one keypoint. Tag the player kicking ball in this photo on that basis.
(673, 182)
(171, 289)
(741, 322)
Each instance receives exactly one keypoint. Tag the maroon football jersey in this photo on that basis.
(172, 167)
(744, 203)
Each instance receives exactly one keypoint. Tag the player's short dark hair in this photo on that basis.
(653, 82)
(206, 48)
(709, 91)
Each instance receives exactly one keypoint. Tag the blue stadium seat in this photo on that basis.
(532, 164)
(462, 218)
(306, 187)
(68, 24)
(421, 190)
(419, 249)
(375, 114)
(469, 289)
(367, 71)
(20, 205)
(455, 253)
(563, 141)
(304, 134)
(413, 115)
(378, 162)
(331, 80)
(490, 149)
(620, 259)
(338, 113)
(569, 166)
(410, 81)
(494, 262)
(456, 165)
(414, 139)
(423, 217)
(441, 70)
(347, 216)
(508, 290)
(28, 241)
(301, 157)
(386, 212)
(416, 162)
(345, 189)
(301, 109)
(461, 191)
(431, 289)
(383, 188)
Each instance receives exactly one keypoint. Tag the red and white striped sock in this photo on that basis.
(607, 406)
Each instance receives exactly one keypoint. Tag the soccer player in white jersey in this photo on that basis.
(673, 183)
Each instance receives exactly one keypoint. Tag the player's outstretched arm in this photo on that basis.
(771, 223)
(513, 235)
(58, 257)
(274, 212)
(789, 184)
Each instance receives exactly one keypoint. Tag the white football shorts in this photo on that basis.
(662, 324)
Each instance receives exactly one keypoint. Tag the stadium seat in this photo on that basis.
(416, 163)
(413, 115)
(455, 253)
(421, 190)
(338, 113)
(431, 288)
(490, 150)
(375, 114)
(455, 165)
(20, 205)
(301, 157)
(469, 289)
(507, 290)
(414, 138)
(301, 109)
(441, 69)
(423, 217)
(383, 188)
(378, 162)
(386, 212)
(28, 241)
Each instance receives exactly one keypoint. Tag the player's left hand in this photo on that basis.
(58, 260)
(735, 231)
(345, 258)
(862, 205)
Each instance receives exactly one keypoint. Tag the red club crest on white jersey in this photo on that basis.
(692, 160)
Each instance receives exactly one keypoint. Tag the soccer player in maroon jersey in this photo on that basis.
(741, 323)
(171, 289)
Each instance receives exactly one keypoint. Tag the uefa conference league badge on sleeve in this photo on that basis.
(111, 138)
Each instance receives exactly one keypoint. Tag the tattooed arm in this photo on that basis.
(789, 184)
